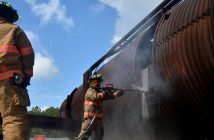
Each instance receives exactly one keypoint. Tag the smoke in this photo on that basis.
(134, 116)
(127, 117)
(141, 89)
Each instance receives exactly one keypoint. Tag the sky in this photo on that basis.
(68, 36)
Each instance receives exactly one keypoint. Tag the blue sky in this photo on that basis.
(68, 36)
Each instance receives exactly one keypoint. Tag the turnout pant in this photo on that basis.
(96, 129)
(13, 102)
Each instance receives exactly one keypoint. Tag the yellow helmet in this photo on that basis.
(96, 77)
(8, 12)
(93, 80)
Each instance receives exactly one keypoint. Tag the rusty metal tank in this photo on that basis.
(183, 55)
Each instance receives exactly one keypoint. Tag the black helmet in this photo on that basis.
(8, 12)
(96, 77)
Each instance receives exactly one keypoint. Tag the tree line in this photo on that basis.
(51, 111)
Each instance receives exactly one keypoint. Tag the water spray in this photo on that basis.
(110, 87)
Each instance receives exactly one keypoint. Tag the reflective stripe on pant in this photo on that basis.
(97, 129)
(13, 102)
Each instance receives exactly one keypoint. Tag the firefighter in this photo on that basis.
(92, 120)
(16, 69)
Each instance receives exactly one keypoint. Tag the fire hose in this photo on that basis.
(87, 129)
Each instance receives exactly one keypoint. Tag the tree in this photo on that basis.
(35, 111)
(51, 111)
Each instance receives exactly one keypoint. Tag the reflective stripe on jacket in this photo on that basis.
(94, 102)
(90, 103)
(92, 114)
(16, 53)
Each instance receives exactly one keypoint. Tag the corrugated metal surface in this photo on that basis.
(184, 52)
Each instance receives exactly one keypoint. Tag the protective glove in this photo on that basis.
(20, 80)
(121, 93)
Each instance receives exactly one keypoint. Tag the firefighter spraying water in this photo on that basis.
(94, 97)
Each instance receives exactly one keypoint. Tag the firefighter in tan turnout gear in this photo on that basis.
(16, 69)
(92, 121)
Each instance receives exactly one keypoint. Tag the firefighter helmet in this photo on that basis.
(8, 12)
(95, 80)
(96, 77)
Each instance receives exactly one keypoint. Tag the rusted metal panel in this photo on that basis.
(77, 104)
(184, 52)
